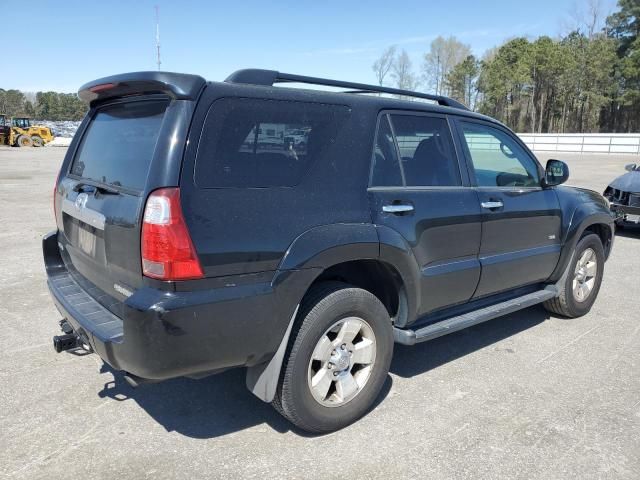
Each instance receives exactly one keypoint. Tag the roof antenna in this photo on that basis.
(158, 35)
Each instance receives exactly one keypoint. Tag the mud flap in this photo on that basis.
(262, 380)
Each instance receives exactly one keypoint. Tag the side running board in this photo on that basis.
(460, 322)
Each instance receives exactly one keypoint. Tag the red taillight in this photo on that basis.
(167, 250)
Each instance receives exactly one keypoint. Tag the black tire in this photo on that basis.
(24, 141)
(37, 141)
(566, 303)
(321, 308)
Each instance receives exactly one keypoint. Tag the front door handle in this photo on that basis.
(493, 204)
(397, 208)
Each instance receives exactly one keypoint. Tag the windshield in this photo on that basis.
(118, 145)
(21, 122)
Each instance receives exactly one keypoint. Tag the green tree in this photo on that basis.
(549, 85)
(59, 106)
(11, 102)
(503, 81)
(461, 81)
(624, 27)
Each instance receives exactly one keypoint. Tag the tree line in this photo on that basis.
(42, 105)
(585, 81)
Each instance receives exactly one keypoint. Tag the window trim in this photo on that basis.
(458, 121)
(394, 138)
(459, 160)
(373, 153)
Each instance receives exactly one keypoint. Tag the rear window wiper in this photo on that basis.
(103, 189)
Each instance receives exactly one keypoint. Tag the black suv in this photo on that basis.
(300, 233)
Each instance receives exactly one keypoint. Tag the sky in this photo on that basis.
(72, 42)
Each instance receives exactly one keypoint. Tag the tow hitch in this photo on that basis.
(69, 340)
(65, 342)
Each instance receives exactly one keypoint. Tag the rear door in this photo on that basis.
(418, 189)
(102, 192)
(521, 221)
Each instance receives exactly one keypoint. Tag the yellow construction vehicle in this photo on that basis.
(18, 132)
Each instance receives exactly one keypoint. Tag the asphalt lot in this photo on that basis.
(522, 397)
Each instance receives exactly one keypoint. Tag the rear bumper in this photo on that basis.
(164, 334)
(93, 323)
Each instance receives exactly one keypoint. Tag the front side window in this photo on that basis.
(426, 148)
(254, 143)
(498, 160)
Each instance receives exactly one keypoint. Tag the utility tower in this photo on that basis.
(158, 35)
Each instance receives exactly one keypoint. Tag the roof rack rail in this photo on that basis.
(256, 76)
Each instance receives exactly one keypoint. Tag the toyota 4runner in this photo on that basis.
(300, 233)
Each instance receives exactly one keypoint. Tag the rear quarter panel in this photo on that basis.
(247, 230)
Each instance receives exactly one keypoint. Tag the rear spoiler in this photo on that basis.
(180, 86)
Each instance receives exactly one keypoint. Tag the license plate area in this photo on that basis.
(84, 242)
(87, 240)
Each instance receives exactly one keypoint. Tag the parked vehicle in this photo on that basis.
(624, 195)
(182, 249)
(18, 132)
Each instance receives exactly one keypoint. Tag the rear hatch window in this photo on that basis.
(118, 145)
(102, 194)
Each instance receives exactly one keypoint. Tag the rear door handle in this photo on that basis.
(491, 205)
(397, 208)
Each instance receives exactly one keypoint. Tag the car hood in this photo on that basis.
(629, 182)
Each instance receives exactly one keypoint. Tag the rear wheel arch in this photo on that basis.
(295, 398)
(326, 245)
(376, 277)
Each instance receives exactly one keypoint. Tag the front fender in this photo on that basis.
(583, 208)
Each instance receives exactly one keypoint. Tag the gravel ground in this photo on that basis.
(522, 397)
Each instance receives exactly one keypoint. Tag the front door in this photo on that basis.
(521, 221)
(417, 189)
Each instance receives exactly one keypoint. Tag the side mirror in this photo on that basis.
(630, 167)
(556, 173)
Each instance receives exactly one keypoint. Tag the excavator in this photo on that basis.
(18, 132)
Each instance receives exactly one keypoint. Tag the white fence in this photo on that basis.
(583, 142)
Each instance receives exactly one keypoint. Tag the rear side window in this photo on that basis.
(119, 143)
(264, 143)
(426, 149)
